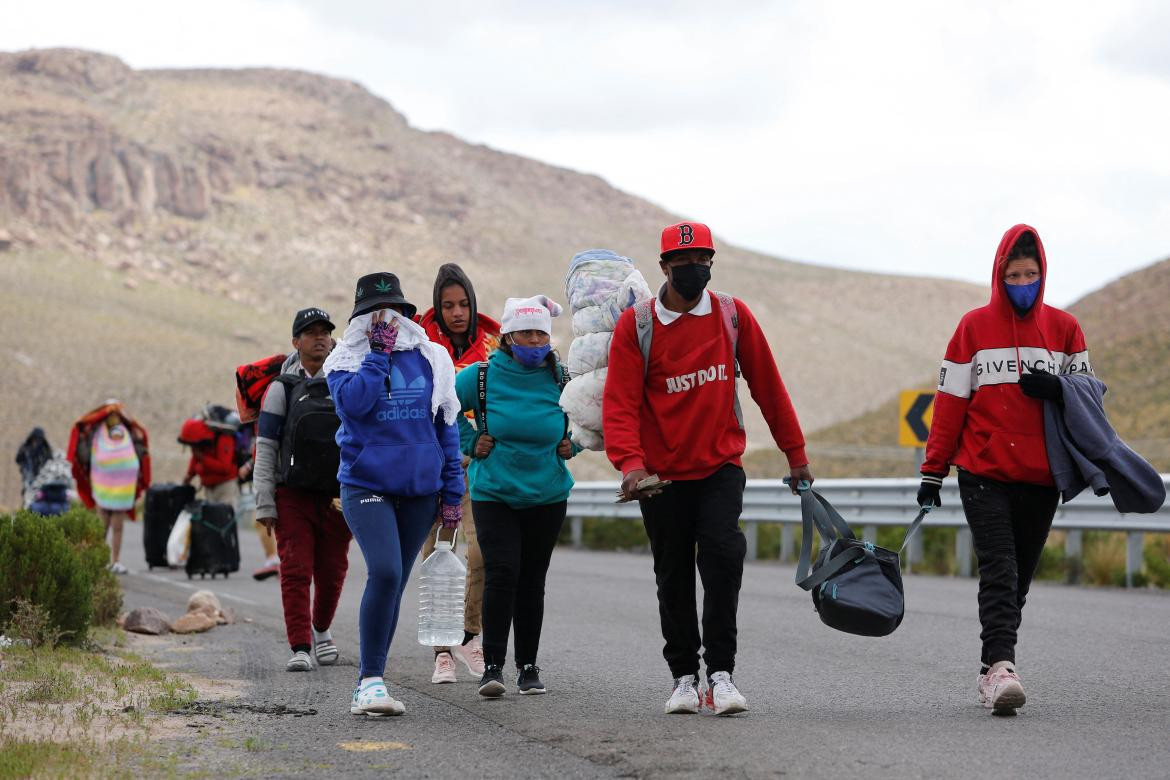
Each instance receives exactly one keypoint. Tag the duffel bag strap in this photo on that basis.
(922, 513)
(818, 513)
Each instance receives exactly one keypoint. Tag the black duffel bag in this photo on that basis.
(856, 586)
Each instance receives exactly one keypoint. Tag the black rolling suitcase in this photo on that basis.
(163, 504)
(215, 543)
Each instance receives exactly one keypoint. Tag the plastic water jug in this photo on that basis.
(440, 596)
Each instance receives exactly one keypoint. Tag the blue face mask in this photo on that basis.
(1023, 296)
(530, 356)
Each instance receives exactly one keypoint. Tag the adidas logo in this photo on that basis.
(401, 413)
(403, 393)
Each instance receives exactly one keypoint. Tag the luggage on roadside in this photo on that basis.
(215, 542)
(856, 586)
(309, 455)
(162, 505)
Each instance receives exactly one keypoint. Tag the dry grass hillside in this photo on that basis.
(189, 213)
(1127, 326)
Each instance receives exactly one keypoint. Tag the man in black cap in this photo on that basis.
(311, 534)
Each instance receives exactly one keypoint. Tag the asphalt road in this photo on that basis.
(822, 703)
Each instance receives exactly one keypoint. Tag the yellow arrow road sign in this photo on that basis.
(915, 411)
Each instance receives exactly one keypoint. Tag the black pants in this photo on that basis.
(703, 514)
(1009, 526)
(517, 545)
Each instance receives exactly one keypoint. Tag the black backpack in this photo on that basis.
(856, 586)
(309, 455)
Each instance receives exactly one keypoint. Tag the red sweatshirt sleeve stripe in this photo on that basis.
(767, 388)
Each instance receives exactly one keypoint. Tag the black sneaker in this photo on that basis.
(491, 684)
(529, 680)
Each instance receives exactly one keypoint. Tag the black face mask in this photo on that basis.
(690, 280)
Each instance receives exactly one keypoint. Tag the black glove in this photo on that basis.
(1042, 385)
(928, 491)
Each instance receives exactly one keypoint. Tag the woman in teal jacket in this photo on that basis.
(519, 483)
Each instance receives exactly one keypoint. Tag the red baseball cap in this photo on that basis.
(686, 235)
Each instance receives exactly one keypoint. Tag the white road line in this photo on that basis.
(189, 586)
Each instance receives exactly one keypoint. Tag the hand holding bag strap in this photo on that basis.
(816, 511)
(812, 517)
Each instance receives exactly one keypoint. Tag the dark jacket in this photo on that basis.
(1085, 451)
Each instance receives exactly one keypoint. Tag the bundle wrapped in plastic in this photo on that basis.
(589, 353)
(600, 285)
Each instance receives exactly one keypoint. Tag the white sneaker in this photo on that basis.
(326, 652)
(1000, 690)
(471, 654)
(300, 662)
(685, 698)
(723, 698)
(444, 668)
(373, 699)
(117, 568)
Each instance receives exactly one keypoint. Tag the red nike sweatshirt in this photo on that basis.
(677, 420)
(982, 421)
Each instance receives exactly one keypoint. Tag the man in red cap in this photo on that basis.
(671, 409)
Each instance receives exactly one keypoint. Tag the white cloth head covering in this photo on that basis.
(533, 313)
(355, 345)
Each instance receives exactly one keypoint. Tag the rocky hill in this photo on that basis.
(161, 226)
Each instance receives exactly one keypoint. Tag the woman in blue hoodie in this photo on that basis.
(519, 483)
(400, 459)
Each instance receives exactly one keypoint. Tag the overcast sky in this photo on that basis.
(898, 136)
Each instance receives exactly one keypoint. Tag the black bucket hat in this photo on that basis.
(378, 291)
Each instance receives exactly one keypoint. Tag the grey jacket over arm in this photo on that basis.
(1085, 451)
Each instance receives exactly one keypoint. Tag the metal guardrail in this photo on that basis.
(869, 503)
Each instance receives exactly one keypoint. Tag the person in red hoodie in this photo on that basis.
(454, 321)
(213, 460)
(670, 408)
(1000, 367)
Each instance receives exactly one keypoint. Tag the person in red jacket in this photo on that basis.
(213, 460)
(670, 408)
(1000, 367)
(469, 336)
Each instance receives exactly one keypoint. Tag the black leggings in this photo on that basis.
(1009, 525)
(517, 545)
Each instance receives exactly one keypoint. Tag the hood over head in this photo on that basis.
(999, 298)
(450, 273)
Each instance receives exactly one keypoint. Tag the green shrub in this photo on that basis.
(59, 564)
(1157, 559)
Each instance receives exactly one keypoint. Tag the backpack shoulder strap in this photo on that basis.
(644, 325)
(730, 315)
(481, 370)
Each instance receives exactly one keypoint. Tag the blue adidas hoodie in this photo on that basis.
(390, 442)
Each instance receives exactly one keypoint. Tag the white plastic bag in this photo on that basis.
(582, 399)
(179, 542)
(589, 353)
